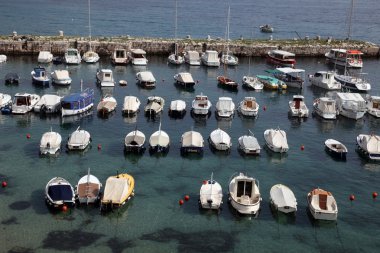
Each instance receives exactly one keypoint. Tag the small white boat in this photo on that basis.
(61, 77)
(192, 142)
(72, 56)
(252, 82)
(276, 140)
(5, 100)
(345, 58)
(106, 105)
(336, 148)
(177, 108)
(134, 142)
(369, 145)
(322, 205)
(225, 107)
(325, 80)
(79, 140)
(244, 194)
(351, 105)
(3, 58)
(297, 107)
(266, 28)
(283, 199)
(175, 58)
(59, 192)
(49, 103)
(50, 143)
(201, 105)
(184, 79)
(88, 188)
(249, 107)
(210, 58)
(211, 194)
(249, 145)
(159, 142)
(325, 107)
(373, 105)
(137, 57)
(154, 106)
(104, 77)
(146, 79)
(24, 102)
(229, 59)
(220, 140)
(44, 57)
(353, 83)
(131, 105)
(120, 57)
(192, 58)
(91, 56)
(40, 77)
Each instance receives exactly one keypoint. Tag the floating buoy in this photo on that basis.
(197, 81)
(99, 146)
(163, 80)
(187, 197)
(302, 147)
(4, 184)
(204, 181)
(180, 202)
(64, 208)
(28, 136)
(374, 195)
(264, 108)
(352, 197)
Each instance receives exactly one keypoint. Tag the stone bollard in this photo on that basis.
(60, 33)
(188, 37)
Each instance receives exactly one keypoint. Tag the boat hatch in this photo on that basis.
(244, 188)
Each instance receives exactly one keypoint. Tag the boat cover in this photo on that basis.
(138, 51)
(185, 77)
(278, 138)
(177, 105)
(371, 143)
(193, 55)
(327, 105)
(74, 97)
(135, 138)
(61, 74)
(116, 190)
(219, 136)
(282, 196)
(131, 103)
(192, 139)
(146, 76)
(60, 192)
(225, 104)
(249, 142)
(52, 138)
(160, 138)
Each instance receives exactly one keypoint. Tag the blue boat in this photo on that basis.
(77, 103)
(39, 77)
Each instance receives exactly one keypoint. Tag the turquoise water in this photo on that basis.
(153, 221)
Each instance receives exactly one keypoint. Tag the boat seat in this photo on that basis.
(323, 201)
(244, 199)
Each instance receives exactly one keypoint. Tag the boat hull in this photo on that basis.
(252, 209)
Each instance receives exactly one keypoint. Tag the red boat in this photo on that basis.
(282, 58)
(227, 83)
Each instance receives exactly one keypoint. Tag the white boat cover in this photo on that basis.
(3, 58)
(219, 136)
(282, 196)
(45, 56)
(225, 104)
(138, 51)
(211, 56)
(135, 138)
(288, 70)
(49, 100)
(79, 137)
(5, 99)
(51, 139)
(116, 189)
(282, 52)
(177, 105)
(108, 103)
(211, 194)
(192, 139)
(159, 138)
(370, 143)
(185, 77)
(60, 74)
(352, 97)
(277, 137)
(327, 105)
(145, 76)
(131, 103)
(249, 142)
(193, 55)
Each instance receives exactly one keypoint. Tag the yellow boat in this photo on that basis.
(118, 190)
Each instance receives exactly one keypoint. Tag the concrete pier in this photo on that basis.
(104, 46)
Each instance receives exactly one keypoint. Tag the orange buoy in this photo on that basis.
(187, 197)
(64, 208)
(180, 202)
(28, 136)
(99, 146)
(302, 147)
(374, 195)
(4, 184)
(352, 197)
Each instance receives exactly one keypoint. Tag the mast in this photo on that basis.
(89, 20)
(175, 29)
(228, 29)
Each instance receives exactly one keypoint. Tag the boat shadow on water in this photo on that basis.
(321, 223)
(282, 218)
(77, 119)
(274, 157)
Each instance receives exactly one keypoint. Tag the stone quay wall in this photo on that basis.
(104, 46)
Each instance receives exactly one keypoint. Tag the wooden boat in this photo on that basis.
(131, 105)
(322, 205)
(177, 108)
(50, 143)
(249, 107)
(336, 148)
(159, 142)
(117, 191)
(106, 105)
(24, 102)
(220, 140)
(225, 107)
(210, 194)
(249, 145)
(276, 140)
(244, 194)
(297, 107)
(134, 142)
(227, 83)
(271, 83)
(325, 107)
(154, 106)
(88, 188)
(283, 199)
(39, 77)
(48, 104)
(192, 142)
(79, 140)
(282, 58)
(59, 192)
(369, 145)
(61, 77)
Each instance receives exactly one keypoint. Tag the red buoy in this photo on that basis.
(180, 202)
(302, 147)
(204, 181)
(264, 108)
(352, 197)
(64, 208)
(4, 184)
(99, 146)
(187, 197)
(374, 195)
(28, 136)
